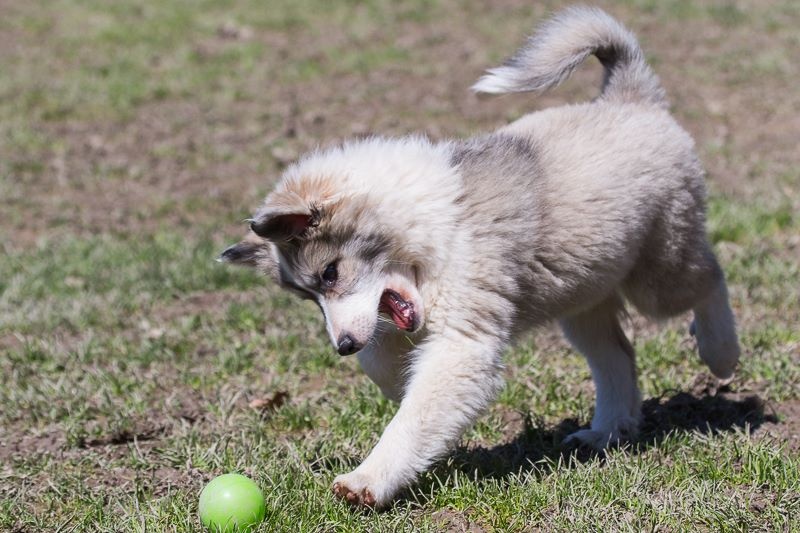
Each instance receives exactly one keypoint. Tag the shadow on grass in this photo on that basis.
(541, 449)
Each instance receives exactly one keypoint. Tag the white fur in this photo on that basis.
(598, 336)
(355, 313)
(451, 382)
(385, 360)
(498, 80)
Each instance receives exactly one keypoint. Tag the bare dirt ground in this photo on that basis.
(732, 85)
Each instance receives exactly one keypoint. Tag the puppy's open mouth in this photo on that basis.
(401, 310)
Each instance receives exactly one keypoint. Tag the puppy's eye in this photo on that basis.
(330, 275)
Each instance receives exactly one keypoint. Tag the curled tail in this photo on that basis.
(562, 43)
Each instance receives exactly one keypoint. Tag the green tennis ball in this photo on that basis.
(231, 502)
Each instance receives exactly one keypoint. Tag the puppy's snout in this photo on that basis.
(347, 345)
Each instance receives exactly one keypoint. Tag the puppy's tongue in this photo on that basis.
(401, 311)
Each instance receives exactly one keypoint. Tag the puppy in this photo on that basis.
(465, 244)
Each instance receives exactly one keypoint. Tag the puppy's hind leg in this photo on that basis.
(715, 331)
(597, 334)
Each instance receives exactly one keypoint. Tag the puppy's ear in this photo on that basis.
(277, 227)
(289, 213)
(286, 215)
(243, 253)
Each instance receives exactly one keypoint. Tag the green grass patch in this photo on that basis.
(123, 341)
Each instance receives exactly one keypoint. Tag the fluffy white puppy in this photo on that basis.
(464, 244)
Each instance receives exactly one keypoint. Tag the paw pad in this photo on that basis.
(355, 499)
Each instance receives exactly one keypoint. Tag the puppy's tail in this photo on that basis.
(562, 43)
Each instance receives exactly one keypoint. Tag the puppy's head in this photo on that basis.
(329, 246)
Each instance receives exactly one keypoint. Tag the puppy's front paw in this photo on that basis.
(601, 438)
(354, 488)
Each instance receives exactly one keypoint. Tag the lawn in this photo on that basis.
(136, 136)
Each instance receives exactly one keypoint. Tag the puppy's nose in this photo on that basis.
(347, 345)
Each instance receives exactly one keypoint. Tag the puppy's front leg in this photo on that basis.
(453, 379)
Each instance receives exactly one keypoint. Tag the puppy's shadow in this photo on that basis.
(541, 449)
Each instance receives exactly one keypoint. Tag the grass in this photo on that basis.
(133, 368)
(127, 352)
